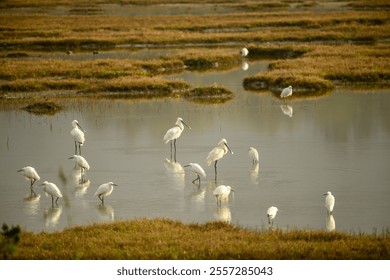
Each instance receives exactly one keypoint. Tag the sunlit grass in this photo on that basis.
(167, 239)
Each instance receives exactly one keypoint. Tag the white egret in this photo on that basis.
(244, 52)
(253, 154)
(52, 190)
(78, 135)
(105, 190)
(222, 193)
(30, 174)
(197, 169)
(271, 214)
(81, 163)
(329, 202)
(217, 153)
(286, 92)
(173, 133)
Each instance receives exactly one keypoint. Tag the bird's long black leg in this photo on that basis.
(171, 149)
(174, 145)
(215, 168)
(80, 148)
(57, 200)
(52, 202)
(75, 147)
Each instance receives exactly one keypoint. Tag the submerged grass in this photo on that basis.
(167, 239)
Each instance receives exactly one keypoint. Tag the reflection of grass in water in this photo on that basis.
(163, 239)
(43, 108)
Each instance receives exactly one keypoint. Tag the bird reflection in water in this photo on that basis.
(52, 216)
(287, 110)
(175, 171)
(223, 214)
(32, 203)
(254, 174)
(105, 212)
(330, 223)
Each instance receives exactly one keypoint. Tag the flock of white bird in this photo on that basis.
(50, 188)
(221, 192)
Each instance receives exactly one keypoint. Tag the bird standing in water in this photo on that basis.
(78, 136)
(30, 174)
(173, 133)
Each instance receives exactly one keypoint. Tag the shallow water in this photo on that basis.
(338, 143)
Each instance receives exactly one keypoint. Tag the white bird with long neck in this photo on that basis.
(30, 174)
(105, 190)
(217, 153)
(254, 155)
(78, 136)
(197, 169)
(173, 133)
(52, 190)
(80, 162)
(286, 92)
(329, 202)
(271, 214)
(222, 193)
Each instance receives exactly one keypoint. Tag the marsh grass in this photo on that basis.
(167, 239)
(209, 95)
(322, 67)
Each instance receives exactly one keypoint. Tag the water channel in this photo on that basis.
(338, 143)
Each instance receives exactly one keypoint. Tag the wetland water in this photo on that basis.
(338, 143)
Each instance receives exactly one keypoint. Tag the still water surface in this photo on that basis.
(338, 143)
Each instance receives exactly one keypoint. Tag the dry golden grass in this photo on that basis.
(322, 67)
(167, 239)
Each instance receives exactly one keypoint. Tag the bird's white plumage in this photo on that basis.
(80, 162)
(218, 152)
(30, 173)
(105, 189)
(222, 193)
(196, 168)
(51, 189)
(286, 92)
(77, 133)
(175, 132)
(244, 52)
(271, 214)
(329, 201)
(253, 154)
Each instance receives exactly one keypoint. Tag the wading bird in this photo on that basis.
(197, 169)
(30, 174)
(105, 190)
(82, 163)
(244, 52)
(271, 214)
(52, 190)
(78, 136)
(173, 133)
(254, 155)
(286, 92)
(217, 153)
(329, 202)
(222, 193)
